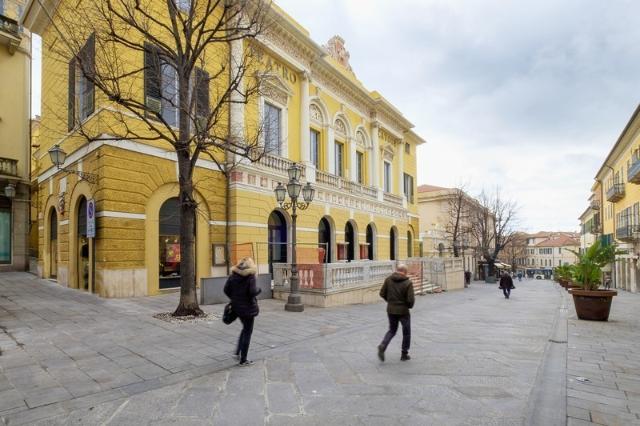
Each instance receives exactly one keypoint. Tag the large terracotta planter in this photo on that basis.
(593, 305)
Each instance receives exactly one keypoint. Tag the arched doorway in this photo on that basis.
(409, 244)
(82, 246)
(53, 244)
(277, 239)
(370, 241)
(169, 233)
(393, 243)
(325, 240)
(441, 249)
(350, 240)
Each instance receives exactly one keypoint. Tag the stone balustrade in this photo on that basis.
(393, 199)
(277, 163)
(8, 167)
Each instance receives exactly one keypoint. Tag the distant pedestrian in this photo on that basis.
(519, 276)
(397, 290)
(467, 278)
(506, 284)
(241, 289)
(607, 283)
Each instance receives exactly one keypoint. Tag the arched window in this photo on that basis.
(325, 239)
(53, 244)
(409, 244)
(82, 246)
(277, 239)
(371, 240)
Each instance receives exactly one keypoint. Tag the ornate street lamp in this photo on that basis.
(293, 188)
(58, 157)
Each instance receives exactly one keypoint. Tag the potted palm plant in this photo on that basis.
(562, 275)
(590, 301)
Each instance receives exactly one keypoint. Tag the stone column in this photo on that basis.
(400, 154)
(374, 168)
(305, 136)
(353, 175)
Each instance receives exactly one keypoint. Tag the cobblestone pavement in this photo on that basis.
(607, 355)
(72, 358)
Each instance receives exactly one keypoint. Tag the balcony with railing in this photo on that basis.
(8, 167)
(628, 232)
(616, 192)
(633, 172)
(594, 204)
(9, 31)
(337, 182)
(277, 164)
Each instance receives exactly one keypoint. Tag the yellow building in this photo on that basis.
(15, 56)
(617, 190)
(356, 148)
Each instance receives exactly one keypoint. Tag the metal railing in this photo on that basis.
(628, 232)
(633, 172)
(616, 192)
(595, 204)
(8, 167)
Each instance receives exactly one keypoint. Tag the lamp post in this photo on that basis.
(58, 156)
(293, 188)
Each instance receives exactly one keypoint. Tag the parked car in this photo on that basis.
(538, 276)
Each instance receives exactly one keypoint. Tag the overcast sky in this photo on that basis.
(530, 96)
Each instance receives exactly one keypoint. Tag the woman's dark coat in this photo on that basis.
(241, 289)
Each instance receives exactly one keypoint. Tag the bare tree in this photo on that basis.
(493, 225)
(458, 225)
(167, 71)
(515, 249)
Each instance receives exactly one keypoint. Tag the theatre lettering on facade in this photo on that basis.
(357, 150)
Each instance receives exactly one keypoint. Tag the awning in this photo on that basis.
(501, 265)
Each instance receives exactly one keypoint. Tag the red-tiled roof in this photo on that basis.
(430, 188)
(561, 241)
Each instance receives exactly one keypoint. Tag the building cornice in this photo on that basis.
(618, 146)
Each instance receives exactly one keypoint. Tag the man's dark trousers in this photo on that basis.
(405, 320)
(506, 292)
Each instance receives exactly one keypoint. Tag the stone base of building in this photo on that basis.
(357, 296)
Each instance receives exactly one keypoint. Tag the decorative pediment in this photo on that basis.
(274, 87)
(340, 127)
(361, 141)
(388, 152)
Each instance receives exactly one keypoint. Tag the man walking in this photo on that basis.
(397, 290)
(506, 284)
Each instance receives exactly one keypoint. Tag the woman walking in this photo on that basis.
(241, 289)
(506, 284)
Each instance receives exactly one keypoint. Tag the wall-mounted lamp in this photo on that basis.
(58, 157)
(10, 190)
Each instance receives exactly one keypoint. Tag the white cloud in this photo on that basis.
(529, 95)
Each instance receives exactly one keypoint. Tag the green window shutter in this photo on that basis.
(152, 79)
(202, 93)
(89, 69)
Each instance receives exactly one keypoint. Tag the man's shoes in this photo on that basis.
(405, 357)
(245, 363)
(381, 353)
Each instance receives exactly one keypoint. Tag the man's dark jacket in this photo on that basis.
(397, 290)
(241, 289)
(506, 282)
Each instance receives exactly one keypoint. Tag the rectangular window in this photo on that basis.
(387, 177)
(5, 233)
(81, 90)
(359, 167)
(408, 187)
(339, 159)
(272, 132)
(169, 90)
(315, 148)
(407, 148)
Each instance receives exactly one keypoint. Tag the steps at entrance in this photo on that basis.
(424, 286)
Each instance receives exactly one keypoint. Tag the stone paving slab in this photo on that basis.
(475, 360)
(606, 354)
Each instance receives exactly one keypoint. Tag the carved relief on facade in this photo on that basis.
(388, 152)
(274, 88)
(341, 127)
(315, 113)
(361, 140)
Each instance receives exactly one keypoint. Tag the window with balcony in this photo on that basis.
(272, 129)
(314, 146)
(339, 154)
(387, 177)
(81, 90)
(360, 167)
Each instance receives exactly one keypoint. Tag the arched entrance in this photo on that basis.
(82, 246)
(169, 233)
(325, 240)
(409, 244)
(370, 241)
(350, 240)
(53, 244)
(393, 243)
(277, 239)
